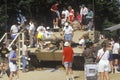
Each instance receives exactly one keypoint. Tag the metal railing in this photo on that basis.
(9, 46)
(4, 36)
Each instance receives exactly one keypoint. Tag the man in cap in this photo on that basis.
(68, 32)
(67, 60)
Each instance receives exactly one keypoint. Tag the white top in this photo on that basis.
(24, 49)
(68, 30)
(66, 13)
(81, 41)
(116, 46)
(14, 29)
(105, 56)
(83, 11)
(32, 29)
(41, 29)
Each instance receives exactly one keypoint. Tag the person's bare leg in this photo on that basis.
(101, 75)
(107, 76)
(17, 75)
(71, 73)
(116, 65)
(53, 23)
(56, 23)
(11, 75)
(67, 73)
(112, 68)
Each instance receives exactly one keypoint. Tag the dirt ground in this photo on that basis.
(53, 74)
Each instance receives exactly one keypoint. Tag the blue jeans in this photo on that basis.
(24, 62)
(68, 37)
(13, 36)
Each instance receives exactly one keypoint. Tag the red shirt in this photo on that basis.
(54, 7)
(71, 15)
(68, 54)
(78, 17)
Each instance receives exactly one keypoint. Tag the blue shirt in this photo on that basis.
(12, 55)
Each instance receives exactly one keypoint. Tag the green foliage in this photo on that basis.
(107, 11)
(107, 23)
(50, 1)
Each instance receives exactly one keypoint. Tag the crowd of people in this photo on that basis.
(83, 17)
(107, 55)
(69, 19)
(42, 37)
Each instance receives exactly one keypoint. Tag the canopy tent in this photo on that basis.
(113, 28)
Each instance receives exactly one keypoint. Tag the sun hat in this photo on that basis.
(66, 24)
(66, 44)
(48, 28)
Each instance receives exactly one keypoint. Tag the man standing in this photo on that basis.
(115, 54)
(14, 30)
(32, 33)
(67, 60)
(68, 32)
(4, 60)
(24, 56)
(12, 63)
(88, 53)
(55, 15)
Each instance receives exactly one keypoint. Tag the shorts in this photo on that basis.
(54, 15)
(68, 37)
(13, 36)
(116, 56)
(39, 36)
(111, 57)
(67, 64)
(103, 66)
(13, 67)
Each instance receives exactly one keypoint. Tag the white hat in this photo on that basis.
(66, 44)
(66, 24)
(48, 28)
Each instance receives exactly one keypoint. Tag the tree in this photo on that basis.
(106, 13)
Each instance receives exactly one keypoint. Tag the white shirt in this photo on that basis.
(83, 11)
(24, 49)
(41, 30)
(116, 46)
(105, 56)
(81, 41)
(14, 29)
(66, 13)
(68, 30)
(32, 29)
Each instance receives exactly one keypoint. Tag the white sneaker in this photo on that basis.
(57, 27)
